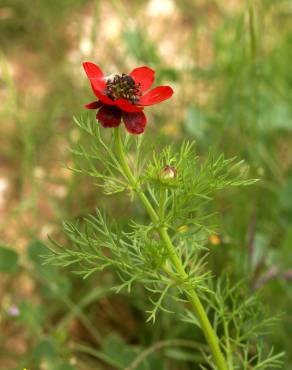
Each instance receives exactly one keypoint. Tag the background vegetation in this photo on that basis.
(230, 65)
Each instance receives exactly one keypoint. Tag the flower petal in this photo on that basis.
(144, 76)
(98, 84)
(135, 122)
(92, 70)
(96, 77)
(94, 105)
(156, 95)
(126, 106)
(109, 116)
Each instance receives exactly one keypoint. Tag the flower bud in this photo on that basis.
(168, 173)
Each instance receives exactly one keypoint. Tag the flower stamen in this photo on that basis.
(123, 87)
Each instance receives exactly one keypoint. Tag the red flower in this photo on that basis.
(123, 96)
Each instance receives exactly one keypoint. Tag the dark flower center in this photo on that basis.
(123, 87)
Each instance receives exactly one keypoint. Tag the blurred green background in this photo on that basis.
(229, 63)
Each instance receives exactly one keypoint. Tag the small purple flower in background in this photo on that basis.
(13, 311)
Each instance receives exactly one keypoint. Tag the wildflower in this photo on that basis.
(123, 97)
(13, 311)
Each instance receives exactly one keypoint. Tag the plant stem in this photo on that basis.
(192, 296)
(228, 346)
(162, 200)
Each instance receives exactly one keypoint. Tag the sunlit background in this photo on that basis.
(229, 63)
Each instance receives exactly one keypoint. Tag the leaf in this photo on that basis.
(124, 354)
(31, 316)
(36, 252)
(182, 355)
(54, 284)
(8, 260)
(190, 318)
(275, 115)
(60, 286)
(260, 249)
(45, 349)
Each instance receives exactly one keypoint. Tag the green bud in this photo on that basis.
(168, 173)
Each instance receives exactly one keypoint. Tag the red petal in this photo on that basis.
(156, 95)
(94, 105)
(96, 77)
(109, 116)
(135, 122)
(92, 70)
(98, 84)
(126, 106)
(144, 75)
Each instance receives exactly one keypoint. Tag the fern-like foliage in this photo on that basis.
(138, 255)
(242, 322)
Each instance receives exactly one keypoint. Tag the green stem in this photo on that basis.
(192, 296)
(228, 346)
(162, 200)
